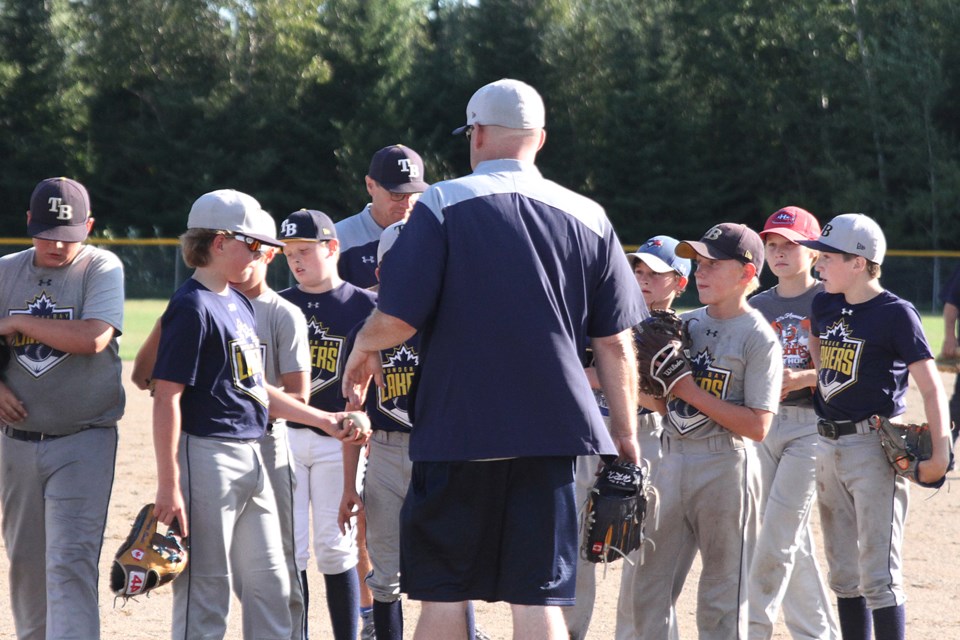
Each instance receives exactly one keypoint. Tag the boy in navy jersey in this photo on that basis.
(865, 341)
(332, 308)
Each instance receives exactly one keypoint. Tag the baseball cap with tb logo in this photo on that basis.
(59, 208)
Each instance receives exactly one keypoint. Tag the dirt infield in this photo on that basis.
(932, 558)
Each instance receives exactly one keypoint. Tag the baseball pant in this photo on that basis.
(319, 469)
(55, 495)
(278, 461)
(784, 569)
(234, 529)
(863, 508)
(709, 507)
(387, 479)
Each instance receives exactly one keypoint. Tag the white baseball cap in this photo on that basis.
(505, 103)
(233, 211)
(852, 233)
(388, 238)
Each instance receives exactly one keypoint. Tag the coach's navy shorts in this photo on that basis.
(504, 530)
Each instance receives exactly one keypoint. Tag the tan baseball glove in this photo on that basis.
(147, 559)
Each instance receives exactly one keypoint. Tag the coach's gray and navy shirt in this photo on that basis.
(359, 237)
(505, 275)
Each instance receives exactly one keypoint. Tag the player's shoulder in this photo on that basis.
(359, 228)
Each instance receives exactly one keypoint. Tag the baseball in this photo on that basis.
(358, 423)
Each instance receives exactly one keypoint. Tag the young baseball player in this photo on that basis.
(662, 276)
(865, 342)
(282, 331)
(210, 414)
(950, 296)
(784, 568)
(387, 473)
(707, 476)
(61, 310)
(332, 308)
(394, 181)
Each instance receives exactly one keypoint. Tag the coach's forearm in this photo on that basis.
(617, 372)
(382, 331)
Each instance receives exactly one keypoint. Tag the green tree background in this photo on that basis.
(674, 114)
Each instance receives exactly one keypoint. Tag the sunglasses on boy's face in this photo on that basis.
(254, 245)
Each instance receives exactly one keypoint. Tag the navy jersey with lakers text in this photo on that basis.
(331, 316)
(505, 275)
(864, 353)
(738, 360)
(209, 343)
(389, 407)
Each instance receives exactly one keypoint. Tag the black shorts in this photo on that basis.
(497, 531)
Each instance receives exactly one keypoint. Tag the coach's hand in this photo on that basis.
(361, 367)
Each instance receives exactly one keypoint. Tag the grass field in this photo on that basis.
(140, 315)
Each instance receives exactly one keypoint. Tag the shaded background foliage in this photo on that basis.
(674, 114)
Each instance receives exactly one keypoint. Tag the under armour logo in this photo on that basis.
(313, 305)
(713, 234)
(713, 333)
(368, 259)
(44, 283)
(846, 312)
(63, 211)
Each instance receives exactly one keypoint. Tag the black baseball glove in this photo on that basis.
(612, 523)
(661, 352)
(147, 559)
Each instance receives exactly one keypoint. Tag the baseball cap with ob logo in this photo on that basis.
(308, 225)
(852, 233)
(398, 169)
(59, 209)
(726, 241)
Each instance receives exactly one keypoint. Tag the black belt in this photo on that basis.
(833, 429)
(34, 436)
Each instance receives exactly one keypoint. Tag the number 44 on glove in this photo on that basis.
(147, 560)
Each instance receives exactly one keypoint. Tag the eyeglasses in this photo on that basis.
(397, 197)
(254, 245)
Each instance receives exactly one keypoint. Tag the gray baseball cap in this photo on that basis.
(853, 233)
(232, 211)
(505, 103)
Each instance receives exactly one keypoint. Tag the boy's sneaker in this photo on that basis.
(367, 632)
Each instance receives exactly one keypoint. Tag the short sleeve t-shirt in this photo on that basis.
(505, 275)
(359, 237)
(209, 343)
(865, 350)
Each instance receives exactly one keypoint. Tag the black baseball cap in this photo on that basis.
(726, 241)
(399, 169)
(59, 209)
(308, 225)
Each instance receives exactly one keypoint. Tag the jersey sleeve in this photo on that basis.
(763, 373)
(291, 342)
(103, 290)
(618, 303)
(411, 276)
(182, 331)
(907, 336)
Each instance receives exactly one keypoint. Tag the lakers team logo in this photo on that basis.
(246, 363)
(399, 369)
(713, 380)
(839, 359)
(325, 350)
(34, 356)
(793, 330)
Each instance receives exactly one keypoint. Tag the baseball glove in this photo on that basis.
(147, 560)
(947, 364)
(906, 445)
(661, 352)
(612, 523)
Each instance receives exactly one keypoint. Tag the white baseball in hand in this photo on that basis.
(358, 423)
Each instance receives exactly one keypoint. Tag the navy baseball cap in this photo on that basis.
(726, 241)
(308, 225)
(852, 233)
(59, 209)
(398, 169)
(232, 211)
(660, 254)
